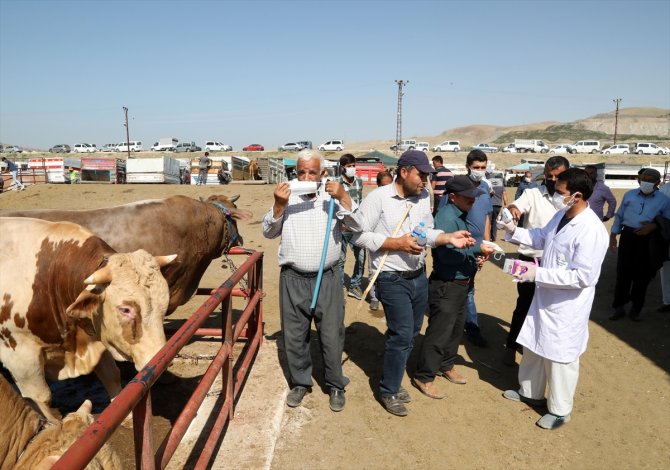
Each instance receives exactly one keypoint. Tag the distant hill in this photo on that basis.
(635, 124)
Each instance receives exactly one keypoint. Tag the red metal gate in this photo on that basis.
(135, 396)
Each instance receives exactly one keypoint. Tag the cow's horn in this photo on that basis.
(101, 276)
(234, 198)
(165, 260)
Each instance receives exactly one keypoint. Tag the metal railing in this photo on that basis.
(135, 396)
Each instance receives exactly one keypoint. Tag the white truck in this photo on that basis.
(165, 144)
(530, 145)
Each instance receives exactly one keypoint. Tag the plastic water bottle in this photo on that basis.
(419, 233)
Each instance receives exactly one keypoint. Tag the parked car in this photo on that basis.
(306, 144)
(485, 148)
(187, 147)
(12, 149)
(108, 148)
(423, 146)
(511, 148)
(586, 146)
(135, 146)
(561, 148)
(291, 147)
(60, 148)
(623, 149)
(448, 146)
(647, 148)
(84, 148)
(335, 145)
(215, 146)
(254, 148)
(407, 144)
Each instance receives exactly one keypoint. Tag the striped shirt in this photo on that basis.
(377, 218)
(440, 178)
(302, 227)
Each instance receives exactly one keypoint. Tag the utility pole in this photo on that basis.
(616, 118)
(125, 111)
(398, 128)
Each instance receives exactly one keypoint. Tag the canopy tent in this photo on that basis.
(387, 160)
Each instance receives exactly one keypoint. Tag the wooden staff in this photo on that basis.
(381, 264)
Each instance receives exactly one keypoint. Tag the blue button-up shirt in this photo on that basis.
(602, 194)
(637, 208)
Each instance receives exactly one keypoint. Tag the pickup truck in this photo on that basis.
(530, 145)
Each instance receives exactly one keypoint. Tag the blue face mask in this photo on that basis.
(647, 187)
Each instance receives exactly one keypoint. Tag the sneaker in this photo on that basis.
(552, 421)
(394, 405)
(374, 304)
(515, 396)
(336, 399)
(403, 395)
(474, 335)
(295, 396)
(356, 293)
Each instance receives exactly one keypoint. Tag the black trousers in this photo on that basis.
(633, 270)
(526, 290)
(447, 301)
(494, 217)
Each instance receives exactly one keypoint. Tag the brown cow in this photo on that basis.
(28, 441)
(69, 304)
(196, 231)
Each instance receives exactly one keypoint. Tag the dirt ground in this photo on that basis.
(622, 407)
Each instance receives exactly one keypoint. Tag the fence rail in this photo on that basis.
(135, 396)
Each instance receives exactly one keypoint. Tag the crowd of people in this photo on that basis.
(562, 242)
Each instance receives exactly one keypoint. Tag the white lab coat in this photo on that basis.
(556, 326)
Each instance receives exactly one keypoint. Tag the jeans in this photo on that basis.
(405, 301)
(472, 308)
(359, 265)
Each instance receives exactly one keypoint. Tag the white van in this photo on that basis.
(647, 148)
(423, 146)
(408, 144)
(84, 148)
(586, 146)
(135, 146)
(448, 146)
(335, 145)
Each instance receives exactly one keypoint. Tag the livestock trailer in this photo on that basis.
(103, 170)
(55, 168)
(153, 170)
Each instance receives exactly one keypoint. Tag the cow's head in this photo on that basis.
(125, 304)
(232, 214)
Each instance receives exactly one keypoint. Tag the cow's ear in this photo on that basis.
(81, 311)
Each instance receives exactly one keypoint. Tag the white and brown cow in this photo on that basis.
(29, 441)
(197, 231)
(70, 305)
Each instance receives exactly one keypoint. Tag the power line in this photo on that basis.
(398, 127)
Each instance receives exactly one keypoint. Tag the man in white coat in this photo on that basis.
(555, 332)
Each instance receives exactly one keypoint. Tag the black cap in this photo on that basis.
(463, 186)
(417, 159)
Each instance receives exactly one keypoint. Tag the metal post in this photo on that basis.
(398, 128)
(125, 111)
(616, 118)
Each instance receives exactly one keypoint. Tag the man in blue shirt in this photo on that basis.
(448, 289)
(11, 168)
(526, 183)
(634, 221)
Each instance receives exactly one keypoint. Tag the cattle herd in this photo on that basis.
(81, 289)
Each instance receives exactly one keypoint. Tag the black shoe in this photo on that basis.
(336, 399)
(619, 313)
(634, 314)
(403, 395)
(295, 396)
(394, 405)
(474, 335)
(664, 309)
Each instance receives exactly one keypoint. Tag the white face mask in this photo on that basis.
(477, 175)
(350, 171)
(558, 201)
(646, 187)
(527, 180)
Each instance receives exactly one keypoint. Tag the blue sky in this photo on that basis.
(273, 72)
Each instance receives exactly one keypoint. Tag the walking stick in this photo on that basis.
(381, 263)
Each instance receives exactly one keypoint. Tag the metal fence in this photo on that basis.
(135, 397)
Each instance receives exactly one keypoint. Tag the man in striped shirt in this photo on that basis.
(438, 180)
